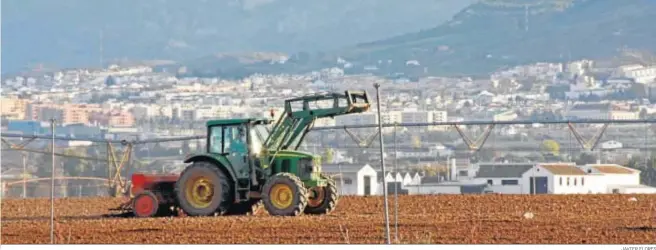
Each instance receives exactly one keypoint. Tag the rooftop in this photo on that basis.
(563, 169)
(612, 169)
(502, 170)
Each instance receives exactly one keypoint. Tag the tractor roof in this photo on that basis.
(238, 121)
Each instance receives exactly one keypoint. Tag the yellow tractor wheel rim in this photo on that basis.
(281, 196)
(199, 192)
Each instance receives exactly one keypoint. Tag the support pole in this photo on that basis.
(52, 185)
(396, 189)
(341, 179)
(382, 163)
(24, 176)
(110, 164)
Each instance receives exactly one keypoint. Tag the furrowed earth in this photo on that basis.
(578, 219)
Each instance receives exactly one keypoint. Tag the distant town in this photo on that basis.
(143, 102)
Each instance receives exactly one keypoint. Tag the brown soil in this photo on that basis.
(606, 219)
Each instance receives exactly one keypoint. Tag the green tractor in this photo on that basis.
(247, 165)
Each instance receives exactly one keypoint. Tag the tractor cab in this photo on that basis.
(237, 137)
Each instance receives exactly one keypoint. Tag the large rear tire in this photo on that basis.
(284, 195)
(322, 200)
(203, 190)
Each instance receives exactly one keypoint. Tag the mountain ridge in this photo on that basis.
(67, 33)
(485, 37)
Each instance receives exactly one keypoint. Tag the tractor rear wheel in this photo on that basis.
(203, 190)
(322, 200)
(284, 195)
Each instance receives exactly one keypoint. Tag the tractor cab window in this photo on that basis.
(235, 139)
(259, 134)
(227, 139)
(216, 139)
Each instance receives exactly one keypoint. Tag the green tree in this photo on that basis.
(586, 158)
(328, 155)
(416, 141)
(44, 163)
(551, 146)
(431, 170)
(74, 165)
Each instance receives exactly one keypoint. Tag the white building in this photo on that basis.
(557, 178)
(439, 117)
(612, 144)
(353, 179)
(416, 179)
(642, 74)
(561, 178)
(534, 178)
(403, 179)
(391, 117)
(613, 178)
(416, 116)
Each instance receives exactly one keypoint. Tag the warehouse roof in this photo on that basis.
(612, 169)
(501, 170)
(563, 169)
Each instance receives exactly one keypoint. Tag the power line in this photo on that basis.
(373, 125)
(514, 122)
(90, 139)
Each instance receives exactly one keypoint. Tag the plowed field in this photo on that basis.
(422, 219)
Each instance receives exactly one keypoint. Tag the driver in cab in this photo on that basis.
(238, 140)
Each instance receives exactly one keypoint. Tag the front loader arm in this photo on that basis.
(293, 125)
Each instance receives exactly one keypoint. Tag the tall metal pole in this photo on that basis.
(341, 179)
(24, 176)
(52, 185)
(382, 163)
(396, 189)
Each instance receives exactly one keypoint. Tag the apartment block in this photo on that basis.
(121, 119)
(439, 116)
(64, 113)
(13, 108)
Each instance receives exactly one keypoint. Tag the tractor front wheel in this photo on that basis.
(284, 195)
(322, 200)
(203, 190)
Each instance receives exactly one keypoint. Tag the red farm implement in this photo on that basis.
(150, 196)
